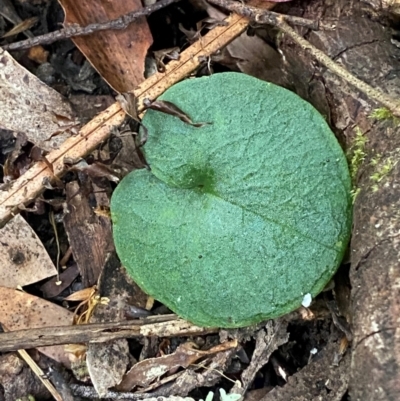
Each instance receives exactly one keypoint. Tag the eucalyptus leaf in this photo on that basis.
(239, 219)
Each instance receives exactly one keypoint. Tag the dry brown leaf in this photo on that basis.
(148, 370)
(19, 310)
(30, 185)
(117, 55)
(28, 105)
(107, 363)
(38, 54)
(23, 258)
(253, 56)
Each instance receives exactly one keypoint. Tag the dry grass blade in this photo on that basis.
(21, 27)
(31, 184)
(38, 372)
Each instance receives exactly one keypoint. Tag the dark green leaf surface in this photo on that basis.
(238, 219)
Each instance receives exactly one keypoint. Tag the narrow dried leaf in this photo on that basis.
(23, 258)
(169, 108)
(19, 310)
(95, 170)
(28, 105)
(21, 27)
(117, 55)
(8, 11)
(82, 295)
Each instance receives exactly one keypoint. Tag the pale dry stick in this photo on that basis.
(375, 94)
(89, 392)
(31, 184)
(40, 374)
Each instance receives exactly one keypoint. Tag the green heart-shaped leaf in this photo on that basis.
(238, 219)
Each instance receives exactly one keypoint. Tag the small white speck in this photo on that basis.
(307, 300)
(313, 351)
(179, 299)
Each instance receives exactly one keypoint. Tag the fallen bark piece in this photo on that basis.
(107, 361)
(90, 392)
(170, 327)
(89, 234)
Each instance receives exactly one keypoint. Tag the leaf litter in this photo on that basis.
(191, 377)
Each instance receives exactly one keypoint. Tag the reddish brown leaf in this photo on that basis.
(118, 55)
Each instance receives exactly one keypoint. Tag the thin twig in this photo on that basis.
(40, 374)
(279, 20)
(77, 30)
(262, 16)
(375, 94)
(36, 370)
